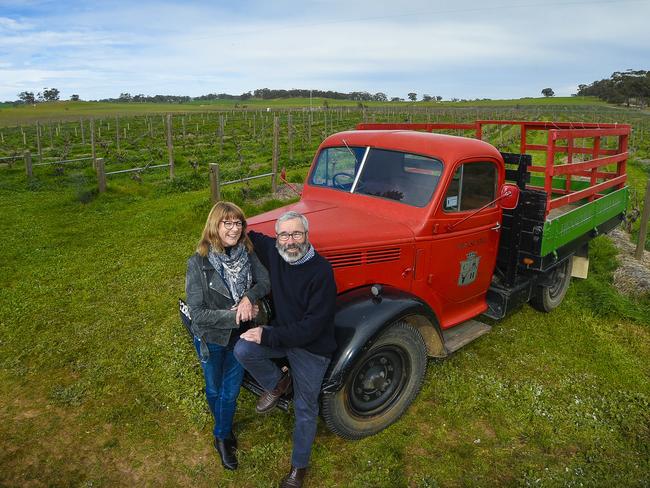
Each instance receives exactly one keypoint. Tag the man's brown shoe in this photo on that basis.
(294, 479)
(269, 399)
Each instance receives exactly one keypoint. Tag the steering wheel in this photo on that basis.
(340, 185)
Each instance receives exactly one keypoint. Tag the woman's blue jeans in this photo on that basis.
(223, 377)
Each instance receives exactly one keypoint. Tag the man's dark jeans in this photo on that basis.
(307, 371)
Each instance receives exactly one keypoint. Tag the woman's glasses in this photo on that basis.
(229, 224)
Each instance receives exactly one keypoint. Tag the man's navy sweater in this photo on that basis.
(304, 300)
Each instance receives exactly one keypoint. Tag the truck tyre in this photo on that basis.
(548, 298)
(381, 385)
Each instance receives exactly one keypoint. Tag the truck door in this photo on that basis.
(465, 241)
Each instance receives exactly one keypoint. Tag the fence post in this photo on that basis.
(92, 142)
(38, 142)
(643, 230)
(290, 135)
(276, 153)
(101, 175)
(221, 133)
(28, 164)
(117, 133)
(170, 146)
(215, 191)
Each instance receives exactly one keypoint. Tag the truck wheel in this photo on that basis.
(547, 298)
(381, 385)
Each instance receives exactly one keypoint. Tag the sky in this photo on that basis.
(465, 49)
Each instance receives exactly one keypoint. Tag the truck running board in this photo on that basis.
(462, 334)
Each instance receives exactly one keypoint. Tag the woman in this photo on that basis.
(224, 281)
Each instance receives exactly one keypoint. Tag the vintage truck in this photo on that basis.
(428, 231)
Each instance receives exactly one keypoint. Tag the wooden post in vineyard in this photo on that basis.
(276, 153)
(28, 164)
(170, 146)
(92, 143)
(215, 191)
(221, 131)
(290, 135)
(38, 142)
(117, 132)
(101, 175)
(309, 129)
(643, 229)
(83, 135)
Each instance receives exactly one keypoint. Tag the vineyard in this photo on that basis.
(242, 142)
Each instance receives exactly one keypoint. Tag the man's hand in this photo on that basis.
(245, 310)
(253, 335)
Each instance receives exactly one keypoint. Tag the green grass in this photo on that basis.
(99, 385)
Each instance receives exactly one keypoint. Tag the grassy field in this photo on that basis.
(99, 385)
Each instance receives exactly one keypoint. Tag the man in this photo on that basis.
(304, 298)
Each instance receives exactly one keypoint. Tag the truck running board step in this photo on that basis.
(462, 334)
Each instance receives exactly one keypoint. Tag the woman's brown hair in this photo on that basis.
(210, 236)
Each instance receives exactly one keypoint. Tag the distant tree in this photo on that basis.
(74, 98)
(413, 96)
(438, 98)
(245, 96)
(548, 92)
(27, 97)
(426, 98)
(125, 97)
(50, 94)
(395, 99)
(361, 96)
(380, 97)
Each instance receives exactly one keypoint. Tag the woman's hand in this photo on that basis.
(245, 310)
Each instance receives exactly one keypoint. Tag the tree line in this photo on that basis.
(631, 87)
(53, 94)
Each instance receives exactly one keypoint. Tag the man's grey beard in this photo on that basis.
(292, 258)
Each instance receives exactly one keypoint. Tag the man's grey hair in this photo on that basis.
(291, 215)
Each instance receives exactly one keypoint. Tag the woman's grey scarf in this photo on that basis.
(235, 269)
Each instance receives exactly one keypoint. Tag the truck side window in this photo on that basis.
(473, 186)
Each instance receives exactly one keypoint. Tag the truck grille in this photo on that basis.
(343, 259)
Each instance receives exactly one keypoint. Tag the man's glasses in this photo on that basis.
(228, 224)
(297, 235)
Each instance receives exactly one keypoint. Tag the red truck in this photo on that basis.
(428, 231)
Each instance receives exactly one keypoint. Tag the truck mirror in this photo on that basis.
(509, 196)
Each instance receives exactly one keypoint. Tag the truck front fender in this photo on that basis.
(361, 317)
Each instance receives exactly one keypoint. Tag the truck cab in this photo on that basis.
(409, 198)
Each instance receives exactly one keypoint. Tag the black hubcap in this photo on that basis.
(378, 381)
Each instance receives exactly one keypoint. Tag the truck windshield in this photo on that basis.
(406, 178)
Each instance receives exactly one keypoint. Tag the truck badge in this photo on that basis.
(468, 269)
